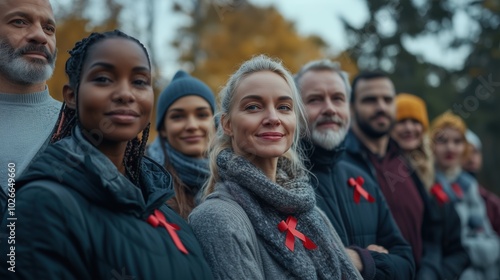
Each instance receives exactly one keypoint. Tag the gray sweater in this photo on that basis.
(26, 120)
(232, 249)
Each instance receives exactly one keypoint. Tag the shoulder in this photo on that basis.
(46, 194)
(220, 215)
(53, 104)
(219, 208)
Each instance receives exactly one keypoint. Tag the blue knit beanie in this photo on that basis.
(182, 85)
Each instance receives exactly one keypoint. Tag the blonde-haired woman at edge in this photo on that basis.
(480, 241)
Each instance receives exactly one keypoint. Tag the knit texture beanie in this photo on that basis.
(448, 119)
(473, 139)
(409, 106)
(181, 85)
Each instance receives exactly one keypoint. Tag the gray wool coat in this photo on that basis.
(233, 250)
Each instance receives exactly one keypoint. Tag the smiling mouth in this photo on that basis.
(192, 139)
(123, 116)
(273, 136)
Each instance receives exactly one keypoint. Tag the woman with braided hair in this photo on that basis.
(91, 206)
(260, 220)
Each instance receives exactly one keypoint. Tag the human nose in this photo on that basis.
(37, 35)
(124, 93)
(329, 109)
(191, 123)
(272, 118)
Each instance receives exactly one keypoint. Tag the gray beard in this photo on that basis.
(17, 69)
(329, 139)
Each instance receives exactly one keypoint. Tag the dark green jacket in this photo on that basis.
(79, 218)
(359, 224)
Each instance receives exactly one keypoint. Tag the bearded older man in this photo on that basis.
(27, 111)
(350, 198)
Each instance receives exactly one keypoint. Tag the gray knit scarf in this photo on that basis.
(192, 171)
(267, 204)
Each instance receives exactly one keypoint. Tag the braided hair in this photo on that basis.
(68, 117)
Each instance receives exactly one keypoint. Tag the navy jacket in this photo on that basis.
(79, 218)
(359, 224)
(443, 255)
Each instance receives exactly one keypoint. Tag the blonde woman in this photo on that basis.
(457, 186)
(260, 220)
(443, 256)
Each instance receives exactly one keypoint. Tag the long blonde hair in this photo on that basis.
(422, 161)
(221, 141)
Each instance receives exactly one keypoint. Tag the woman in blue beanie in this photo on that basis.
(184, 120)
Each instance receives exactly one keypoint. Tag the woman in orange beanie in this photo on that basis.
(444, 257)
(457, 186)
(411, 134)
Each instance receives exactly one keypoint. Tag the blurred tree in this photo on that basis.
(480, 99)
(224, 34)
(385, 40)
(72, 26)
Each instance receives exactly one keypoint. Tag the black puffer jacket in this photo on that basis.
(359, 224)
(79, 218)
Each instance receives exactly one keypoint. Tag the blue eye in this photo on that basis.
(252, 107)
(285, 107)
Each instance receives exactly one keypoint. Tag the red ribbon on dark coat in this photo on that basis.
(289, 226)
(458, 190)
(439, 193)
(358, 189)
(158, 219)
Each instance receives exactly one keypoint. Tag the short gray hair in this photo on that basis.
(324, 64)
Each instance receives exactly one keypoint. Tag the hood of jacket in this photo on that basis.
(75, 163)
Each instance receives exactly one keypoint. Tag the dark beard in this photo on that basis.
(369, 131)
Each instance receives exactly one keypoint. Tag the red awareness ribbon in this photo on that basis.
(358, 189)
(439, 193)
(158, 219)
(291, 233)
(458, 190)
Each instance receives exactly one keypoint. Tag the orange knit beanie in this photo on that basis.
(409, 106)
(448, 119)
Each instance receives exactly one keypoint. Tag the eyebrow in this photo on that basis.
(258, 97)
(111, 66)
(28, 16)
(182, 109)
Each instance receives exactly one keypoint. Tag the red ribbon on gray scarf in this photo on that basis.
(289, 227)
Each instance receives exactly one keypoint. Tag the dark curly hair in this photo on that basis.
(68, 117)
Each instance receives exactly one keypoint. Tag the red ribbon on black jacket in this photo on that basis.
(358, 189)
(158, 219)
(289, 226)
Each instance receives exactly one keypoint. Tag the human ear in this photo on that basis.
(226, 125)
(69, 96)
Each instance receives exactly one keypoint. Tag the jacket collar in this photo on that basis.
(320, 156)
(354, 146)
(75, 163)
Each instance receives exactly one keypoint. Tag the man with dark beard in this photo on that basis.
(359, 213)
(27, 111)
(373, 111)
